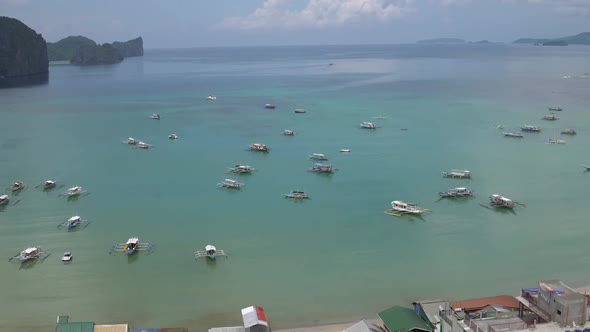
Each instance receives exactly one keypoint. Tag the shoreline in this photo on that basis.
(330, 327)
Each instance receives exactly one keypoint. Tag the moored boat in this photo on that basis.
(288, 132)
(173, 136)
(321, 168)
(498, 200)
(259, 147)
(533, 129)
(550, 117)
(555, 108)
(67, 257)
(28, 254)
(74, 191)
(299, 110)
(409, 208)
(229, 183)
(513, 134)
(16, 186)
(297, 194)
(556, 141)
(270, 106)
(143, 145)
(568, 131)
(131, 245)
(344, 150)
(74, 221)
(49, 184)
(456, 192)
(210, 97)
(239, 169)
(131, 141)
(457, 174)
(155, 116)
(210, 252)
(368, 125)
(318, 156)
(4, 199)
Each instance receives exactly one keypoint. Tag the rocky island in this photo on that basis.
(80, 50)
(23, 52)
(579, 39)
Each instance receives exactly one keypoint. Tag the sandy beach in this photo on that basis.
(339, 327)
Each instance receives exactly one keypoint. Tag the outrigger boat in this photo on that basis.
(533, 129)
(555, 108)
(299, 111)
(550, 117)
(270, 106)
(288, 132)
(344, 150)
(259, 147)
(211, 97)
(173, 136)
(74, 222)
(74, 191)
(457, 174)
(368, 125)
(318, 156)
(239, 169)
(322, 168)
(155, 116)
(556, 141)
(49, 184)
(456, 192)
(210, 252)
(568, 131)
(16, 186)
(297, 194)
(513, 134)
(230, 184)
(4, 199)
(131, 246)
(399, 208)
(28, 254)
(143, 145)
(497, 200)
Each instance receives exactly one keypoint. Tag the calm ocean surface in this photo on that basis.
(334, 258)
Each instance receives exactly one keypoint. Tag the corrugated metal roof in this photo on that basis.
(397, 319)
(364, 326)
(254, 316)
(75, 327)
(505, 301)
(111, 328)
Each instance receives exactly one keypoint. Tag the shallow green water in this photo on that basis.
(336, 257)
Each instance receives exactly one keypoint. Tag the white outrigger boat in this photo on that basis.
(497, 200)
(321, 168)
(318, 156)
(297, 194)
(568, 131)
(173, 136)
(555, 109)
(210, 252)
(74, 222)
(210, 97)
(155, 116)
(456, 192)
(556, 141)
(288, 132)
(230, 184)
(28, 254)
(74, 191)
(49, 184)
(399, 208)
(269, 106)
(143, 145)
(240, 169)
(17, 186)
(457, 174)
(531, 129)
(4, 199)
(513, 134)
(550, 117)
(131, 246)
(259, 147)
(368, 125)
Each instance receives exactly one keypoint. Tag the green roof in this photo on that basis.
(400, 319)
(75, 327)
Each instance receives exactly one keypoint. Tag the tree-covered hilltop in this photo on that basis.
(442, 41)
(23, 51)
(579, 39)
(84, 51)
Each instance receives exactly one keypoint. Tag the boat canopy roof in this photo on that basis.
(461, 189)
(30, 250)
(75, 188)
(133, 240)
(49, 182)
(74, 218)
(398, 203)
(210, 247)
(230, 181)
(4, 197)
(500, 197)
(318, 154)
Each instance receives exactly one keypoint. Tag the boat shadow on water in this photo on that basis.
(132, 258)
(28, 264)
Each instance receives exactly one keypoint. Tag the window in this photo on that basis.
(559, 312)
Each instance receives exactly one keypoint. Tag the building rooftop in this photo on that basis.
(505, 301)
(111, 328)
(399, 318)
(227, 329)
(75, 327)
(364, 326)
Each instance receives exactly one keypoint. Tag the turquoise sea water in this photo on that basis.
(334, 258)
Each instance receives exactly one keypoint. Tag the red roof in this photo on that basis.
(506, 301)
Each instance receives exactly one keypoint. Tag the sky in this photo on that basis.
(211, 23)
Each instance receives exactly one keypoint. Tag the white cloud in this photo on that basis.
(570, 7)
(318, 13)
